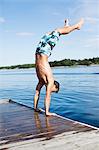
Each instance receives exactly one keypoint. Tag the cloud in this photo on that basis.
(2, 20)
(95, 39)
(56, 13)
(89, 10)
(91, 19)
(24, 33)
(92, 42)
(9, 31)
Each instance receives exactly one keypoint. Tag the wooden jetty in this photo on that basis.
(21, 128)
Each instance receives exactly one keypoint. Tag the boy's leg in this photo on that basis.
(37, 94)
(67, 29)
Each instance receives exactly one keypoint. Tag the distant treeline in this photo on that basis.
(64, 62)
(71, 62)
(19, 66)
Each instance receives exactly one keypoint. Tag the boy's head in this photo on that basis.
(56, 87)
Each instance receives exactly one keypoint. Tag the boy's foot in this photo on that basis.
(66, 22)
(80, 23)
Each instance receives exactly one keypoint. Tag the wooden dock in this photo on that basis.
(23, 128)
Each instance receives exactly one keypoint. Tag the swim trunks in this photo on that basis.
(47, 42)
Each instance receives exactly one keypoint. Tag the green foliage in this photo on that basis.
(64, 62)
(24, 66)
(68, 62)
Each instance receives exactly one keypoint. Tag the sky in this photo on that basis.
(24, 22)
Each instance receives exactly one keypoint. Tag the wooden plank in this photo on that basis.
(19, 123)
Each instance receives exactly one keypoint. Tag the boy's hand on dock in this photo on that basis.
(50, 114)
(37, 110)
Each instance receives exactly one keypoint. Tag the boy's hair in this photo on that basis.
(57, 85)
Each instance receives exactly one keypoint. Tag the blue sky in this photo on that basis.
(23, 22)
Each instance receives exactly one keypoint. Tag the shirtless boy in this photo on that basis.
(43, 69)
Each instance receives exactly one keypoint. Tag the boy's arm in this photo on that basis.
(37, 94)
(48, 99)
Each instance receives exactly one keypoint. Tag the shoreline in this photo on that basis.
(59, 63)
(72, 66)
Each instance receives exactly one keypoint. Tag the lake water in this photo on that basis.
(77, 99)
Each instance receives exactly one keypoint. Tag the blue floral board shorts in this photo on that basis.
(47, 42)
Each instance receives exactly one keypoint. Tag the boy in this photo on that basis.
(43, 69)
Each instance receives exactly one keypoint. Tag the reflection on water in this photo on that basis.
(77, 99)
